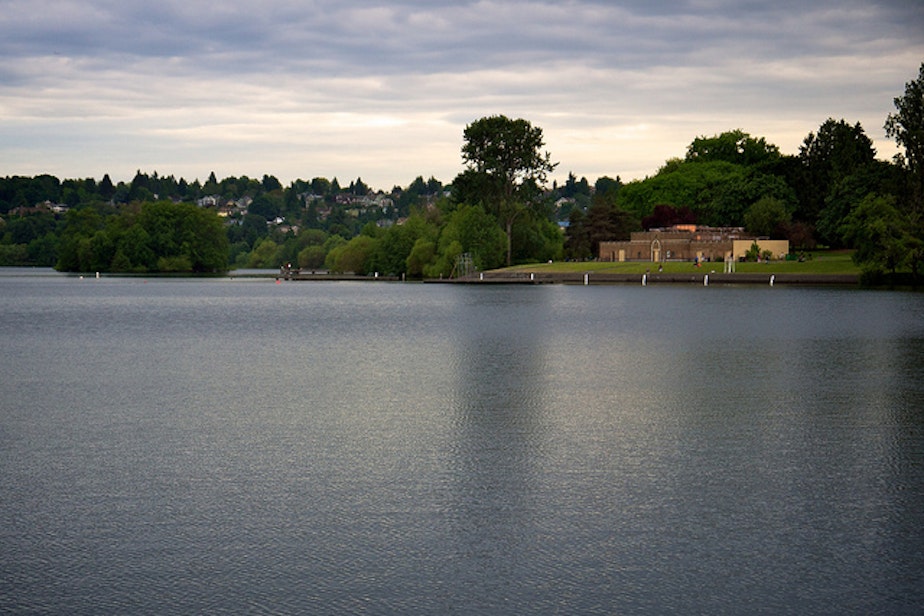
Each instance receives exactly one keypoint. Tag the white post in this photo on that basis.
(706, 280)
(481, 276)
(644, 280)
(772, 278)
(532, 276)
(586, 279)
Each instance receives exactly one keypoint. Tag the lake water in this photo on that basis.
(240, 446)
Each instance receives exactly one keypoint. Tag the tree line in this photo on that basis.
(498, 210)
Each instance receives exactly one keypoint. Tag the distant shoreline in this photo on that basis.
(593, 278)
(508, 276)
(704, 278)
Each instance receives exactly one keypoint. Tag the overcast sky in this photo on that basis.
(383, 90)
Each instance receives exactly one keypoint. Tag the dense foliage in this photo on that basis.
(159, 236)
(834, 192)
(506, 170)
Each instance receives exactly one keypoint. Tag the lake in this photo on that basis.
(240, 446)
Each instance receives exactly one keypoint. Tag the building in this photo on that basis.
(688, 243)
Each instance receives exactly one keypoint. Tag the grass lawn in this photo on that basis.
(823, 262)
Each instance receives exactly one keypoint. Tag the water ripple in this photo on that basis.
(417, 449)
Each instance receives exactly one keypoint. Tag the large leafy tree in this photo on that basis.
(718, 180)
(845, 193)
(354, 256)
(506, 168)
(470, 229)
(397, 242)
(734, 146)
(79, 226)
(604, 221)
(267, 205)
(159, 236)
(186, 237)
(883, 237)
(827, 160)
(767, 217)
(717, 192)
(906, 126)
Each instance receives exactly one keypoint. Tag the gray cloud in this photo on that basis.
(363, 87)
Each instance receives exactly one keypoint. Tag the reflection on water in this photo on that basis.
(499, 416)
(201, 446)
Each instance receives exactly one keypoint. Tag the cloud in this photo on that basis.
(383, 90)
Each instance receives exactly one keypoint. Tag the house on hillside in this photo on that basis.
(689, 243)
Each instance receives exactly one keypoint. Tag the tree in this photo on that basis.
(717, 192)
(354, 256)
(604, 221)
(134, 246)
(574, 187)
(827, 158)
(844, 193)
(735, 146)
(470, 229)
(879, 233)
(211, 185)
(320, 186)
(140, 188)
(505, 168)
(270, 183)
(767, 217)
(422, 254)
(311, 257)
(906, 126)
(397, 242)
(265, 254)
(267, 205)
(155, 236)
(664, 216)
(359, 188)
(106, 189)
(606, 184)
(189, 237)
(78, 226)
(577, 238)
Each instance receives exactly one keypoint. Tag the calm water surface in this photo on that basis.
(219, 446)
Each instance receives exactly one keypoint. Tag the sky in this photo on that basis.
(383, 91)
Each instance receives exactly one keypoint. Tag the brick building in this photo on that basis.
(689, 242)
